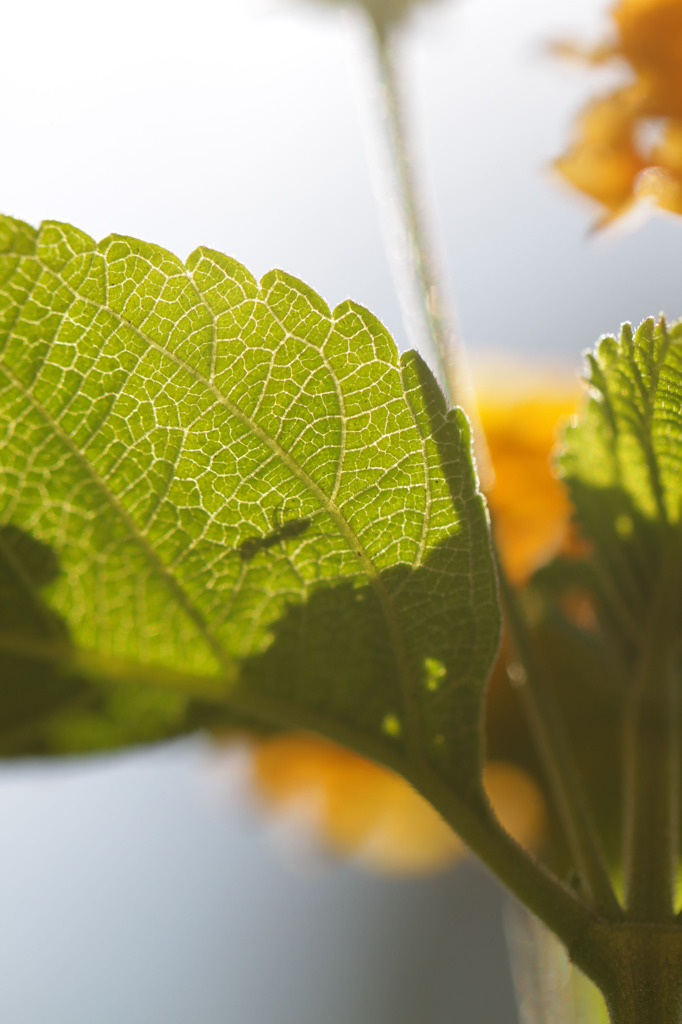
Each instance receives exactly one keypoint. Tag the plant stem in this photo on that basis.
(415, 260)
(637, 967)
(557, 906)
(655, 1002)
(572, 806)
(652, 759)
(651, 752)
(413, 247)
(420, 280)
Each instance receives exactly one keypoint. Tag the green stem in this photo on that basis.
(412, 244)
(637, 967)
(652, 760)
(654, 1001)
(556, 905)
(572, 806)
(651, 784)
(428, 307)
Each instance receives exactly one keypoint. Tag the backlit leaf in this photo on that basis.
(622, 461)
(244, 487)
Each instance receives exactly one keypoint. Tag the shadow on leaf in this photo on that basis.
(33, 689)
(414, 674)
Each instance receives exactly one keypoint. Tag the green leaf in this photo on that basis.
(622, 461)
(46, 704)
(255, 502)
(32, 692)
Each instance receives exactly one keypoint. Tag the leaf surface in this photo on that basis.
(622, 460)
(245, 487)
(32, 690)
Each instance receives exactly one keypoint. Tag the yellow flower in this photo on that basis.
(628, 144)
(529, 506)
(650, 39)
(361, 809)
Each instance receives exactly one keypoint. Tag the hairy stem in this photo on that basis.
(651, 784)
(420, 280)
(636, 966)
(557, 906)
(554, 749)
(415, 264)
(411, 239)
(652, 759)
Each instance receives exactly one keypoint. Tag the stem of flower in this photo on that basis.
(414, 248)
(554, 749)
(651, 786)
(428, 308)
(557, 906)
(636, 966)
(652, 758)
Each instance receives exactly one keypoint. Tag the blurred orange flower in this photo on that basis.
(361, 809)
(628, 144)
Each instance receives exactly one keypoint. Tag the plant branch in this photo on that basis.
(554, 903)
(420, 280)
(652, 758)
(410, 238)
(572, 806)
(418, 273)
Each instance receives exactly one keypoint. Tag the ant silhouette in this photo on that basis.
(281, 531)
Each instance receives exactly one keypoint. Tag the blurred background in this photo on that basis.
(145, 887)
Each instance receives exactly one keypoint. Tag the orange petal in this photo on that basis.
(610, 120)
(529, 505)
(359, 808)
(668, 153)
(517, 802)
(650, 34)
(604, 161)
(355, 806)
(662, 188)
(611, 159)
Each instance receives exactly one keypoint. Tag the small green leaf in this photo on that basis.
(622, 461)
(46, 704)
(245, 488)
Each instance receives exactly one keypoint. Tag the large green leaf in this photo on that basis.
(622, 460)
(244, 487)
